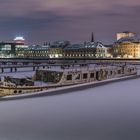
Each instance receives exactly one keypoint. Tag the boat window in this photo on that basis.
(15, 91)
(130, 70)
(20, 91)
(85, 76)
(91, 75)
(106, 73)
(48, 76)
(97, 75)
(69, 77)
(119, 71)
(77, 77)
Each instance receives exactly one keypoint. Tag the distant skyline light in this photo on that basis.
(19, 38)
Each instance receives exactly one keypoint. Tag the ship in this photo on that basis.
(63, 77)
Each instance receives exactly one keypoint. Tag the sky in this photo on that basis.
(74, 20)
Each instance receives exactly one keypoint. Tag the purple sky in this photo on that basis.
(74, 20)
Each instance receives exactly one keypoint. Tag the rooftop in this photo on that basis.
(129, 39)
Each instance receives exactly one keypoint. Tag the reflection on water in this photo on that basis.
(110, 112)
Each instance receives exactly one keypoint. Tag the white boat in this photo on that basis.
(55, 78)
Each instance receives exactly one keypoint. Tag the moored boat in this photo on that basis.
(55, 78)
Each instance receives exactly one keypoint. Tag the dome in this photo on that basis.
(19, 38)
(128, 39)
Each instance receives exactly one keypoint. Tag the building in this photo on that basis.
(11, 49)
(55, 50)
(34, 51)
(127, 47)
(109, 50)
(86, 50)
(59, 49)
(125, 34)
(66, 50)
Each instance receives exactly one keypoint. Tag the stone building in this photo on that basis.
(128, 47)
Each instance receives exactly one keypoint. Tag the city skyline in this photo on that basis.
(44, 20)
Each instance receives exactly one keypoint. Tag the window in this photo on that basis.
(77, 77)
(119, 71)
(15, 91)
(85, 76)
(91, 75)
(20, 91)
(69, 77)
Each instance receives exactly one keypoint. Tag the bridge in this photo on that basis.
(66, 59)
(14, 64)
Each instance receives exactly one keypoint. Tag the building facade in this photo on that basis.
(88, 50)
(59, 49)
(11, 49)
(127, 47)
(125, 34)
(66, 50)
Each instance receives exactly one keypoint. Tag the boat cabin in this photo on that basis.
(19, 81)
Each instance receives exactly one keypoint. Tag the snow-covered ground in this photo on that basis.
(18, 74)
(109, 112)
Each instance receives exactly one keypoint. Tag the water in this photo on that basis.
(109, 112)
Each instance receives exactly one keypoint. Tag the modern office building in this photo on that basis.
(11, 49)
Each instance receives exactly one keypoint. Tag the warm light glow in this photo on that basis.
(19, 38)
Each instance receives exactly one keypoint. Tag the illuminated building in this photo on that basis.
(58, 49)
(109, 51)
(13, 48)
(127, 47)
(90, 49)
(19, 39)
(10, 49)
(34, 51)
(125, 34)
(66, 50)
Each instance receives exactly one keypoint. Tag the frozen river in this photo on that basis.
(109, 112)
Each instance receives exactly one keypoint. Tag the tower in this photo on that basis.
(92, 37)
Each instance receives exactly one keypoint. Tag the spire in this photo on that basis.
(92, 37)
